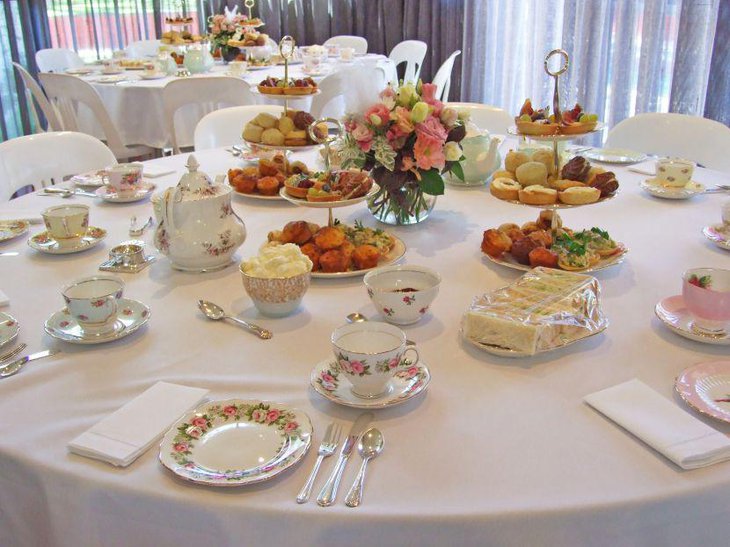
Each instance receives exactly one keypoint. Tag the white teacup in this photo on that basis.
(66, 221)
(124, 178)
(92, 302)
(674, 172)
(237, 68)
(369, 354)
(347, 53)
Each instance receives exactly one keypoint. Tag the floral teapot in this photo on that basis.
(197, 228)
(481, 156)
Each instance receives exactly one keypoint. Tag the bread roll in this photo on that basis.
(531, 173)
(538, 195)
(505, 188)
(580, 195)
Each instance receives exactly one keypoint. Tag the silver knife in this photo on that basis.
(15, 366)
(329, 491)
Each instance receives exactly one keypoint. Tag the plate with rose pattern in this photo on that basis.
(236, 442)
(8, 329)
(45, 243)
(408, 381)
(132, 316)
(12, 228)
(706, 388)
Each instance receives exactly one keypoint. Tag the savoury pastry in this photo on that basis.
(538, 195)
(578, 195)
(505, 188)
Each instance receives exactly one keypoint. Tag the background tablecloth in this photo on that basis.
(496, 451)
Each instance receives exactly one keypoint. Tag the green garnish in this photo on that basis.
(602, 233)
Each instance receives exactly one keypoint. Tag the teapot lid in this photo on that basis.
(195, 184)
(472, 130)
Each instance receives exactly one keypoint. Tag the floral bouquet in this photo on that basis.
(408, 140)
(222, 28)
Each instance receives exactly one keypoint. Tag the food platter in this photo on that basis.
(560, 205)
(284, 96)
(555, 138)
(391, 257)
(510, 262)
(261, 146)
(327, 204)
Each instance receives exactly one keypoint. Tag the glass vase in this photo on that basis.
(401, 207)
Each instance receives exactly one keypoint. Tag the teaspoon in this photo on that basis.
(371, 444)
(216, 313)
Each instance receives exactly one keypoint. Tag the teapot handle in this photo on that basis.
(171, 196)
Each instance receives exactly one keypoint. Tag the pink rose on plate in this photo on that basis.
(394, 362)
(258, 415)
(411, 372)
(180, 447)
(345, 365)
(291, 426)
(328, 378)
(195, 432)
(272, 415)
(358, 367)
(230, 410)
(199, 422)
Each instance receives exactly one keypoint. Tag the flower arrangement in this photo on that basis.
(408, 140)
(222, 28)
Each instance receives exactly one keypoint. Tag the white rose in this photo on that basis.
(452, 151)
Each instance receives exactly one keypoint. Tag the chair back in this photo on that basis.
(208, 93)
(666, 134)
(37, 99)
(57, 59)
(141, 49)
(493, 119)
(224, 127)
(411, 52)
(67, 92)
(47, 158)
(358, 43)
(443, 77)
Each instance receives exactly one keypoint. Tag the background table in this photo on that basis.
(496, 451)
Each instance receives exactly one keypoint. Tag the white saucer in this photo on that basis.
(667, 192)
(46, 244)
(10, 229)
(155, 76)
(8, 329)
(673, 313)
(719, 234)
(90, 179)
(107, 194)
(620, 156)
(132, 316)
(407, 383)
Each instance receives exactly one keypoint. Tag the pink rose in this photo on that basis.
(273, 415)
(364, 137)
(195, 432)
(345, 365)
(432, 128)
(429, 153)
(411, 372)
(428, 96)
(180, 447)
(393, 362)
(291, 426)
(258, 415)
(200, 422)
(357, 367)
(328, 378)
(377, 114)
(229, 410)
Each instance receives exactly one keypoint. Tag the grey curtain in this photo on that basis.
(717, 105)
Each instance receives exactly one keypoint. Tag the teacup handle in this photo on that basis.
(412, 347)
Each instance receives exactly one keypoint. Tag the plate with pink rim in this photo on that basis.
(10, 229)
(674, 314)
(706, 388)
(90, 179)
(719, 234)
(235, 442)
(408, 382)
(8, 329)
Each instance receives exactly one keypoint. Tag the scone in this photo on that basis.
(564, 184)
(252, 133)
(578, 195)
(297, 137)
(538, 195)
(546, 158)
(286, 125)
(504, 188)
(265, 120)
(272, 137)
(514, 159)
(503, 174)
(531, 173)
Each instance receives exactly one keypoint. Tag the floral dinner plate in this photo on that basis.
(706, 388)
(408, 382)
(8, 329)
(236, 442)
(12, 228)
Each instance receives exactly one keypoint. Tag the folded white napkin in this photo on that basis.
(151, 172)
(4, 300)
(123, 436)
(661, 424)
(31, 215)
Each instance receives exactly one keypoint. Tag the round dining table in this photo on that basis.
(136, 108)
(496, 451)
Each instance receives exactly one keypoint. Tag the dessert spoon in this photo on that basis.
(371, 444)
(215, 312)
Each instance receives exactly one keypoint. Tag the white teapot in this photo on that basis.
(197, 228)
(481, 156)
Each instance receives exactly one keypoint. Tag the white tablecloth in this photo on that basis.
(496, 452)
(135, 106)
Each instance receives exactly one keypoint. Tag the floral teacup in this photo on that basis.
(124, 178)
(706, 293)
(92, 302)
(369, 354)
(674, 172)
(402, 294)
(66, 221)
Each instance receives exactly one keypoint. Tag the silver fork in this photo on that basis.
(13, 352)
(326, 449)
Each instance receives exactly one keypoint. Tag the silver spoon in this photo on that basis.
(371, 444)
(136, 232)
(216, 313)
(360, 318)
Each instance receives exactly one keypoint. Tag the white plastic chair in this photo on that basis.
(348, 90)
(443, 77)
(209, 93)
(358, 43)
(141, 49)
(57, 59)
(493, 119)
(67, 93)
(225, 126)
(411, 52)
(37, 99)
(47, 158)
(704, 141)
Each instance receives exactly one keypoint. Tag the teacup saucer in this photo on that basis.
(408, 382)
(46, 244)
(12, 228)
(138, 194)
(90, 179)
(674, 314)
(153, 75)
(132, 316)
(719, 234)
(655, 188)
(8, 329)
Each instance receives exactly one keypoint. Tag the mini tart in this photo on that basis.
(295, 90)
(535, 128)
(332, 196)
(538, 195)
(270, 90)
(505, 188)
(579, 195)
(575, 262)
(295, 191)
(577, 128)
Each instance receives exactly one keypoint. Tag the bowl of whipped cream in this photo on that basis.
(277, 278)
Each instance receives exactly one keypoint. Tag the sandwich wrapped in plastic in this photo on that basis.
(543, 310)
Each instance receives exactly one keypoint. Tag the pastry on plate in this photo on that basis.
(538, 195)
(579, 195)
(532, 172)
(504, 188)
